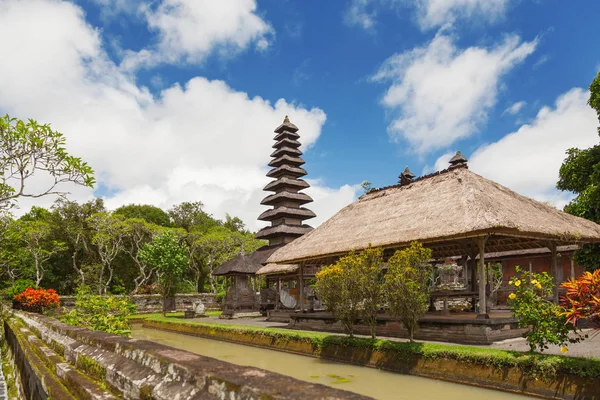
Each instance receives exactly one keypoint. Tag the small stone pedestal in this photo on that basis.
(188, 314)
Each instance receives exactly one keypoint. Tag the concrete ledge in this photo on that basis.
(515, 379)
(139, 369)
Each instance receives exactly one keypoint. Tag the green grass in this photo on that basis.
(170, 315)
(534, 365)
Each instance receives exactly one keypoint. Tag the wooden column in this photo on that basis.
(482, 314)
(301, 287)
(278, 297)
(572, 268)
(473, 271)
(555, 271)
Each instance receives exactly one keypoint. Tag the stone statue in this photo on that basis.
(199, 308)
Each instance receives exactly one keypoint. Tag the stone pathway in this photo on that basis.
(589, 347)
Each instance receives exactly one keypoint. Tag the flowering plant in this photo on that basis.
(36, 300)
(582, 298)
(531, 304)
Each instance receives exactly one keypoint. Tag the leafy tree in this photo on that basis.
(580, 174)
(546, 321)
(190, 216)
(29, 147)
(146, 212)
(72, 223)
(406, 288)
(14, 258)
(234, 224)
(170, 260)
(109, 236)
(351, 288)
(138, 233)
(366, 186)
(35, 236)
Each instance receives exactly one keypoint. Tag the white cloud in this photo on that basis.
(441, 94)
(436, 13)
(358, 14)
(202, 141)
(429, 13)
(528, 160)
(190, 30)
(515, 108)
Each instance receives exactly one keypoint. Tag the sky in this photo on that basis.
(177, 100)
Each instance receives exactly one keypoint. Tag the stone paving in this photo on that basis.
(589, 347)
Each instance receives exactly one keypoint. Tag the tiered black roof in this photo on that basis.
(286, 216)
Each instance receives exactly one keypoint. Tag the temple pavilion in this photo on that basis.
(455, 212)
(286, 216)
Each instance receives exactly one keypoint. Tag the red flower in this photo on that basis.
(36, 300)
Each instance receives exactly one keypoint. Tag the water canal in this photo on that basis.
(366, 381)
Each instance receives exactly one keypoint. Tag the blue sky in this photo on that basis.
(176, 100)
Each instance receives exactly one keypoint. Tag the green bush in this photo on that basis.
(220, 296)
(20, 286)
(101, 313)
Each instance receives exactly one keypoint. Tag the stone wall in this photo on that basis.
(69, 362)
(466, 331)
(152, 303)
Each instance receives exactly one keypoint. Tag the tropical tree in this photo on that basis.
(109, 235)
(169, 258)
(29, 147)
(146, 212)
(190, 216)
(406, 288)
(35, 236)
(138, 232)
(351, 288)
(580, 174)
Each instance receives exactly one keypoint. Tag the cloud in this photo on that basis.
(436, 13)
(189, 30)
(440, 94)
(514, 108)
(357, 14)
(528, 160)
(429, 13)
(199, 141)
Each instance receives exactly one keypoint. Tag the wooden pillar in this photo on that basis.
(473, 271)
(555, 271)
(482, 314)
(235, 292)
(572, 268)
(278, 297)
(301, 287)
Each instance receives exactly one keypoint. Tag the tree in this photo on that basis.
(351, 288)
(405, 286)
(72, 221)
(146, 212)
(109, 235)
(580, 174)
(138, 233)
(190, 216)
(170, 260)
(35, 235)
(28, 147)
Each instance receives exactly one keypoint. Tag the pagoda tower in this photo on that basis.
(287, 215)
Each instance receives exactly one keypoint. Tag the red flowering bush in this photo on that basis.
(36, 300)
(582, 298)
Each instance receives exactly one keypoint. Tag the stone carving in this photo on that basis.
(199, 308)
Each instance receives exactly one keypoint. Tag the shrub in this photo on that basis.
(148, 289)
(582, 298)
(406, 286)
(36, 300)
(20, 286)
(546, 321)
(101, 313)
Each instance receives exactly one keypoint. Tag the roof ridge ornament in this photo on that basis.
(406, 177)
(458, 160)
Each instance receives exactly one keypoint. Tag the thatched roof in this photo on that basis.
(285, 159)
(286, 182)
(283, 230)
(286, 170)
(286, 126)
(286, 150)
(246, 263)
(276, 198)
(300, 213)
(287, 134)
(271, 269)
(445, 210)
(285, 142)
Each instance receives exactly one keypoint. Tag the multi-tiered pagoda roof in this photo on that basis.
(287, 215)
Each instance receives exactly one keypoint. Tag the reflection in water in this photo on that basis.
(366, 381)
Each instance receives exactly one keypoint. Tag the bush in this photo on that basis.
(582, 298)
(101, 313)
(546, 321)
(36, 300)
(148, 289)
(20, 286)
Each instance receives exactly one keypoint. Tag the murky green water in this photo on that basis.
(367, 381)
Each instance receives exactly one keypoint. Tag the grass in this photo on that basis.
(534, 365)
(170, 315)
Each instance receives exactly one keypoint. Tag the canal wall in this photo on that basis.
(539, 375)
(152, 303)
(59, 361)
